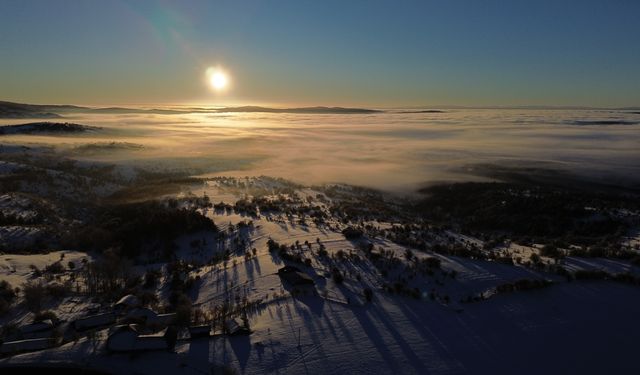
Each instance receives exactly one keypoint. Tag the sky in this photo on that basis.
(349, 53)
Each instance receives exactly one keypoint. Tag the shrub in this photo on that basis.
(151, 278)
(368, 294)
(550, 251)
(7, 296)
(54, 268)
(34, 293)
(322, 252)
(57, 290)
(35, 270)
(336, 275)
(535, 258)
(352, 233)
(273, 245)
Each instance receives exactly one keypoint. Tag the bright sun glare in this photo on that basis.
(218, 79)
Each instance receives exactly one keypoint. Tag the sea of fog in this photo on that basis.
(389, 150)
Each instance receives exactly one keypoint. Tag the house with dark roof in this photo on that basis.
(294, 276)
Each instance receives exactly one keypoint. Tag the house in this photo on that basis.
(94, 321)
(141, 315)
(199, 331)
(45, 325)
(234, 327)
(37, 330)
(126, 303)
(163, 319)
(29, 345)
(156, 341)
(294, 276)
(122, 339)
(127, 338)
(145, 315)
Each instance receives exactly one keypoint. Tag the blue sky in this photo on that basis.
(370, 53)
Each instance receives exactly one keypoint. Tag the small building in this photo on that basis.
(294, 276)
(127, 338)
(144, 315)
(234, 327)
(122, 339)
(94, 321)
(163, 319)
(45, 325)
(13, 347)
(141, 315)
(126, 303)
(156, 341)
(199, 331)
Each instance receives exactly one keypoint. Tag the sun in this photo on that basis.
(218, 78)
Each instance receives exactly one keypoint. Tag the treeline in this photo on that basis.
(17, 219)
(528, 213)
(135, 227)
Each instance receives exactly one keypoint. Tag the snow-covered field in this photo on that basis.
(331, 328)
(573, 328)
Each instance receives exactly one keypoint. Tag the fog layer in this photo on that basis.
(391, 150)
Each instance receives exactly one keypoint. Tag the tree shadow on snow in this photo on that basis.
(241, 346)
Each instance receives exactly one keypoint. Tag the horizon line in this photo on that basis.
(294, 106)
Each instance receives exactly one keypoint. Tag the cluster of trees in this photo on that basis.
(352, 233)
(109, 275)
(8, 218)
(135, 228)
(290, 253)
(528, 213)
(289, 206)
(37, 293)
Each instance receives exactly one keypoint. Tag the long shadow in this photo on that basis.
(256, 262)
(377, 339)
(275, 258)
(241, 346)
(248, 266)
(314, 303)
(409, 353)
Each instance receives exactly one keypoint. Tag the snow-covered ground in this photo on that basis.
(18, 268)
(420, 320)
(572, 328)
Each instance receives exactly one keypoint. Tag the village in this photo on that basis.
(273, 244)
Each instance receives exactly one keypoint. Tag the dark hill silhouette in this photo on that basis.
(20, 110)
(45, 127)
(425, 111)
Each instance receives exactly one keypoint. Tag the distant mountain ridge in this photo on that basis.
(20, 110)
(329, 110)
